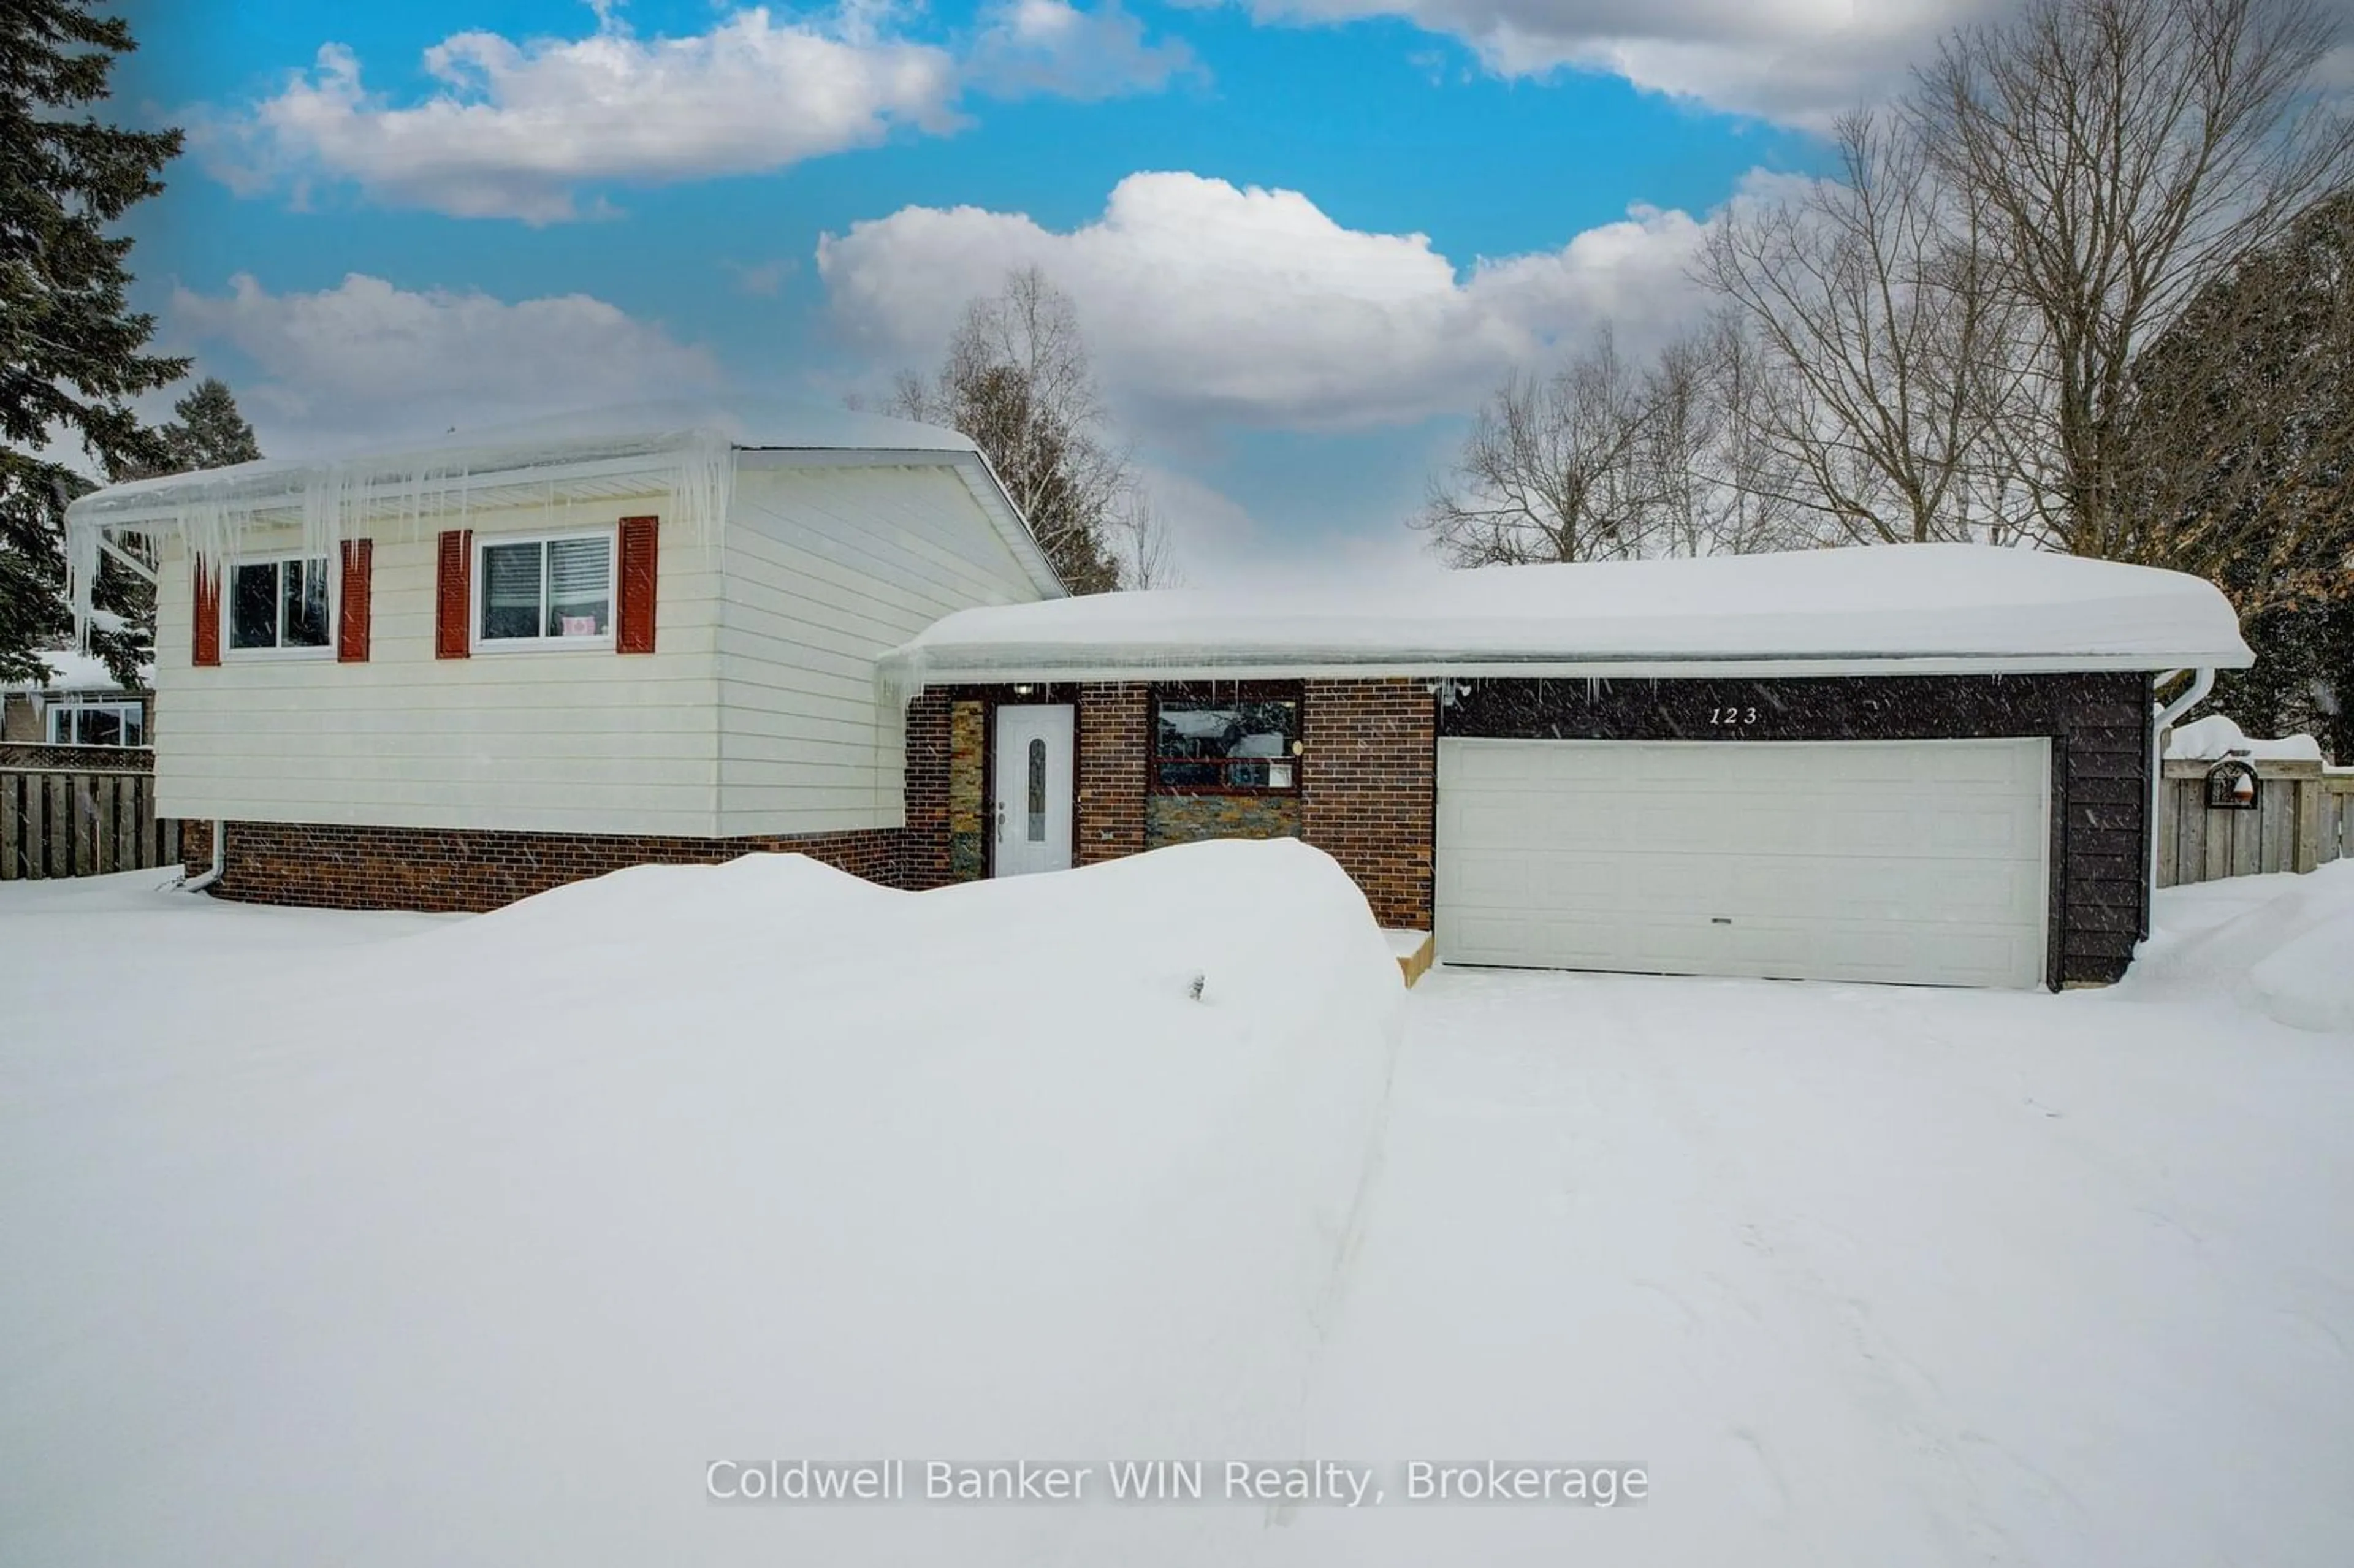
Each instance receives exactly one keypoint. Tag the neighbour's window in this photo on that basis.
(1232, 739)
(97, 723)
(534, 590)
(278, 604)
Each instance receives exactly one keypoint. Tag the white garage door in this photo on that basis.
(1913, 860)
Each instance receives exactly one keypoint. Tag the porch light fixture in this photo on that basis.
(2231, 785)
(1023, 691)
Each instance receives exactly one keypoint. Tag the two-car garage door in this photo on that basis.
(1922, 862)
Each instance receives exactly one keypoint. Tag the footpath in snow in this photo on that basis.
(1877, 1275)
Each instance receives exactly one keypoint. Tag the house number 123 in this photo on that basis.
(1731, 715)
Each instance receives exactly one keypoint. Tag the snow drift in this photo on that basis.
(2280, 945)
(482, 1243)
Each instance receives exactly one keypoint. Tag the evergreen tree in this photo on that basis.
(208, 432)
(2241, 437)
(72, 350)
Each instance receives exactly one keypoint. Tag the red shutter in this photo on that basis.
(351, 628)
(635, 617)
(205, 636)
(454, 595)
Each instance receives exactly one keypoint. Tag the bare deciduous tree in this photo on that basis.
(1017, 379)
(2119, 154)
(1609, 460)
(1554, 470)
(1722, 484)
(1887, 354)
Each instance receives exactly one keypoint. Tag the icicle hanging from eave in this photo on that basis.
(335, 502)
(82, 573)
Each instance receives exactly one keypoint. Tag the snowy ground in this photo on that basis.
(1856, 1273)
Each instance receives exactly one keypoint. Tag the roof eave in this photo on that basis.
(938, 668)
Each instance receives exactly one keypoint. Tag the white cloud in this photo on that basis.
(517, 129)
(368, 360)
(1800, 61)
(1206, 303)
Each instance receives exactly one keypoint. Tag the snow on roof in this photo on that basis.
(71, 672)
(583, 436)
(686, 450)
(1923, 608)
(2211, 738)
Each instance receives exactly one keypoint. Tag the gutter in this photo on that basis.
(203, 880)
(2162, 717)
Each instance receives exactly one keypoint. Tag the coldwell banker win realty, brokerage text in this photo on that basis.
(1147, 1481)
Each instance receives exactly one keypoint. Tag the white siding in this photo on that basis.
(758, 715)
(590, 742)
(827, 568)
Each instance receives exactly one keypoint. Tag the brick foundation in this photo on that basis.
(452, 869)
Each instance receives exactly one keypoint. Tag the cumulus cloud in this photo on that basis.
(365, 359)
(516, 130)
(1208, 303)
(1799, 61)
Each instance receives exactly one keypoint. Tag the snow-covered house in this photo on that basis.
(447, 675)
(447, 678)
(1928, 762)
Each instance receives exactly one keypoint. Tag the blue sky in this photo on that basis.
(1304, 236)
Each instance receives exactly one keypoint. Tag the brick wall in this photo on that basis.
(924, 848)
(445, 870)
(1111, 747)
(1368, 789)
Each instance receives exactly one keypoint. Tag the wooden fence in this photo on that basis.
(81, 822)
(2304, 818)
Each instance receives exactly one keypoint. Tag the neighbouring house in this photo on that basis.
(444, 678)
(1926, 764)
(82, 706)
(450, 674)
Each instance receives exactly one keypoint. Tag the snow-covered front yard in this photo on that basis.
(379, 1239)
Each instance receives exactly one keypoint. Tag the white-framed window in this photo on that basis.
(281, 605)
(97, 724)
(553, 591)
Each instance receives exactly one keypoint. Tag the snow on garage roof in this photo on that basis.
(1889, 609)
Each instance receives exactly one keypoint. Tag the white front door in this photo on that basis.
(1909, 861)
(1033, 809)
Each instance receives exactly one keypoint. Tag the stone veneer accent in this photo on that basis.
(1189, 818)
(1370, 788)
(968, 773)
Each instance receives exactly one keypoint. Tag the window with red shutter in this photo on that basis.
(641, 544)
